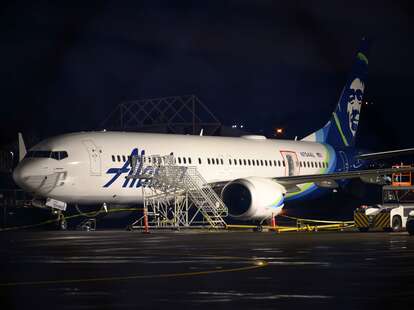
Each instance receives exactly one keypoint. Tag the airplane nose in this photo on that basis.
(18, 175)
(35, 176)
(26, 177)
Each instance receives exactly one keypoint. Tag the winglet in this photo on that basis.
(22, 147)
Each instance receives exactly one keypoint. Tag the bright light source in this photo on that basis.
(279, 131)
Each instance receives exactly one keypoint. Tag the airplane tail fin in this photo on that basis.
(343, 125)
(22, 147)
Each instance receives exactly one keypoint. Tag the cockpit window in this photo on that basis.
(58, 155)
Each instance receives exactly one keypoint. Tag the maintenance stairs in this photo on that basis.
(204, 197)
(167, 183)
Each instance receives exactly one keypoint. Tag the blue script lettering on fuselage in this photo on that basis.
(126, 169)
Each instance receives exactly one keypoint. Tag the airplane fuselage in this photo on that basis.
(94, 165)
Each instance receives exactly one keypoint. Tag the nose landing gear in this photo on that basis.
(62, 224)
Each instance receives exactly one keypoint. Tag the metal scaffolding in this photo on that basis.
(175, 196)
(177, 114)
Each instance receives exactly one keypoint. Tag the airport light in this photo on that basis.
(279, 131)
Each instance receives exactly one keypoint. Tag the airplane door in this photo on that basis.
(292, 162)
(94, 157)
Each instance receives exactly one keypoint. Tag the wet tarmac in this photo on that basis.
(210, 270)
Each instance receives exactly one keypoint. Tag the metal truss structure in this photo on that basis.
(177, 114)
(175, 196)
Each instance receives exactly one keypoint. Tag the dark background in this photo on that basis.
(66, 65)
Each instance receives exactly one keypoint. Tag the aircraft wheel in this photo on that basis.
(259, 228)
(410, 226)
(396, 223)
(63, 224)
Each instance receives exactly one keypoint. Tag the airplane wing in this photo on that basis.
(375, 176)
(387, 154)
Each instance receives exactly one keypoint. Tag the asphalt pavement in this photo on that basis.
(205, 270)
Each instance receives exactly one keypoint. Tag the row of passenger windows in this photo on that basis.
(235, 162)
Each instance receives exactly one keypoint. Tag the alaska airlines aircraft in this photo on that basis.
(257, 176)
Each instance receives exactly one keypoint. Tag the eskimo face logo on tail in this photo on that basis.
(126, 170)
(355, 95)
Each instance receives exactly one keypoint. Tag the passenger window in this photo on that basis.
(240, 162)
(179, 160)
(229, 161)
(253, 163)
(244, 162)
(189, 160)
(213, 161)
(261, 162)
(265, 162)
(221, 160)
(123, 158)
(199, 160)
(235, 162)
(248, 162)
(270, 163)
(278, 163)
(283, 162)
(217, 161)
(118, 157)
(208, 161)
(274, 163)
(184, 160)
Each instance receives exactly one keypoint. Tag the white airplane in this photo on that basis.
(257, 175)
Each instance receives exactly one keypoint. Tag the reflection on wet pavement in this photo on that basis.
(77, 270)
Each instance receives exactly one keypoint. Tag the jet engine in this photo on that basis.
(253, 198)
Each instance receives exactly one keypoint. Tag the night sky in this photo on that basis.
(66, 65)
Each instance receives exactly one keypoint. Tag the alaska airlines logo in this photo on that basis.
(126, 170)
(354, 102)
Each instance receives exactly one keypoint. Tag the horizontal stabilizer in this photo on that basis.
(387, 154)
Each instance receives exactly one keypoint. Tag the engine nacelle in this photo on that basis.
(253, 198)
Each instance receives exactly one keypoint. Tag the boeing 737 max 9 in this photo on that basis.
(258, 175)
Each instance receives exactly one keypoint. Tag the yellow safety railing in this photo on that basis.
(302, 225)
(66, 217)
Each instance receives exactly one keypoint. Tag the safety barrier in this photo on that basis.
(66, 217)
(302, 225)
